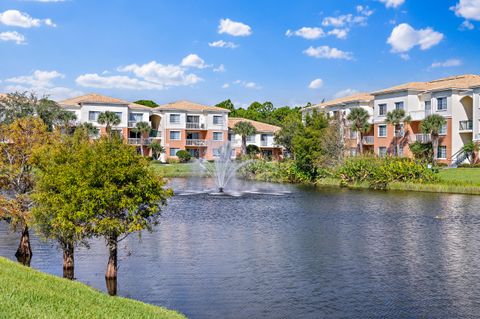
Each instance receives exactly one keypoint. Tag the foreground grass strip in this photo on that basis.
(176, 170)
(28, 293)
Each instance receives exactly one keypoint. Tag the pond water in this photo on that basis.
(295, 252)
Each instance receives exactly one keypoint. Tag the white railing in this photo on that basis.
(138, 141)
(368, 140)
(466, 125)
(193, 142)
(195, 126)
(422, 138)
(155, 134)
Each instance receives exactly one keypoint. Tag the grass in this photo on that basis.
(461, 176)
(175, 170)
(28, 293)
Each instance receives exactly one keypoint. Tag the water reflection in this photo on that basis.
(306, 254)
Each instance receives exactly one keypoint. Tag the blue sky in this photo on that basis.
(287, 52)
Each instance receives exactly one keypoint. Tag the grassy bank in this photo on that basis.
(27, 293)
(176, 170)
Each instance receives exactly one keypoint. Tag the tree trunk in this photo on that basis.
(24, 251)
(435, 148)
(244, 144)
(68, 261)
(141, 144)
(360, 142)
(111, 284)
(112, 259)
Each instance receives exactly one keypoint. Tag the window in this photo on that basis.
(382, 151)
(175, 135)
(173, 151)
(119, 114)
(93, 116)
(443, 130)
(428, 108)
(216, 152)
(353, 134)
(441, 104)
(399, 105)
(135, 117)
(217, 136)
(353, 151)
(382, 109)
(442, 152)
(175, 118)
(251, 138)
(217, 119)
(382, 131)
(231, 137)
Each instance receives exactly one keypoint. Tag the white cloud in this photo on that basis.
(364, 10)
(326, 52)
(16, 18)
(225, 86)
(447, 63)
(220, 69)
(42, 83)
(12, 36)
(344, 93)
(404, 37)
(223, 44)
(315, 84)
(194, 61)
(339, 33)
(467, 25)
(344, 20)
(247, 84)
(468, 9)
(236, 29)
(392, 3)
(307, 33)
(149, 76)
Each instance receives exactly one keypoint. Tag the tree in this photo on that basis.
(142, 128)
(228, 105)
(359, 122)
(60, 211)
(157, 149)
(471, 148)
(421, 151)
(432, 125)
(21, 138)
(109, 119)
(290, 127)
(148, 103)
(396, 118)
(122, 192)
(65, 121)
(244, 129)
(253, 150)
(91, 130)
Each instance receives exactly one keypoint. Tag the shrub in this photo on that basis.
(172, 160)
(184, 156)
(285, 172)
(253, 150)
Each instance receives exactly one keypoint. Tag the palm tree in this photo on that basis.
(432, 125)
(157, 149)
(143, 128)
(244, 129)
(470, 148)
(359, 119)
(109, 119)
(91, 130)
(396, 118)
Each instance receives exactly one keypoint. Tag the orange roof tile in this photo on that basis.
(92, 98)
(260, 126)
(357, 97)
(189, 106)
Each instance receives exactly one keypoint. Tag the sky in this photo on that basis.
(289, 52)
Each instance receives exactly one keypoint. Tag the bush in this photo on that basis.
(379, 172)
(184, 156)
(253, 150)
(172, 160)
(280, 172)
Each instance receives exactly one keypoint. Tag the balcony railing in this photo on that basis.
(368, 140)
(138, 141)
(193, 142)
(466, 125)
(422, 138)
(191, 125)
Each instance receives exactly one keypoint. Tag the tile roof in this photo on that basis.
(92, 98)
(465, 81)
(357, 97)
(136, 106)
(189, 106)
(260, 126)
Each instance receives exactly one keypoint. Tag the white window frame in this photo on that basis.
(443, 98)
(441, 131)
(251, 139)
(216, 152)
(217, 133)
(380, 108)
(220, 117)
(96, 117)
(380, 153)
(400, 103)
(438, 152)
(378, 130)
(175, 139)
(174, 115)
(171, 149)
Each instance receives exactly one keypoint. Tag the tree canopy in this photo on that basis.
(148, 103)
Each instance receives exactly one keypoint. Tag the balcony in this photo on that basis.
(465, 126)
(264, 143)
(155, 134)
(419, 115)
(138, 141)
(368, 140)
(194, 142)
(422, 138)
(195, 126)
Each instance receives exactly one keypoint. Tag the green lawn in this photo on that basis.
(176, 170)
(28, 293)
(457, 176)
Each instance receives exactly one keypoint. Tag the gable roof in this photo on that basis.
(259, 126)
(190, 106)
(93, 98)
(357, 97)
(465, 81)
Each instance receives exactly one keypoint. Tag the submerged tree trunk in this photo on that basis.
(111, 284)
(111, 272)
(68, 261)
(24, 251)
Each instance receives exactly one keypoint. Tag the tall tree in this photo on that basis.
(148, 103)
(22, 137)
(290, 127)
(142, 128)
(432, 125)
(227, 104)
(396, 118)
(109, 119)
(359, 122)
(244, 129)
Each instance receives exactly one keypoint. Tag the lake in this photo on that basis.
(284, 251)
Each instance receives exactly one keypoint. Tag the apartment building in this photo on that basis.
(339, 109)
(264, 139)
(182, 125)
(456, 98)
